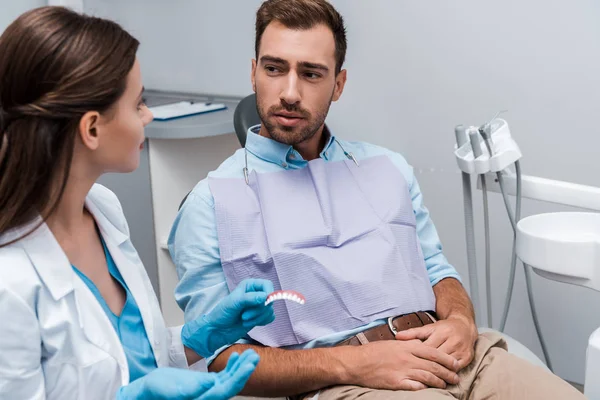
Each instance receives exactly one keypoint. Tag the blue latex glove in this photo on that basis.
(182, 384)
(239, 312)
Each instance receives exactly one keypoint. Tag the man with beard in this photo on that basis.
(344, 224)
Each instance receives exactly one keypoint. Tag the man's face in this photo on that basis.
(295, 82)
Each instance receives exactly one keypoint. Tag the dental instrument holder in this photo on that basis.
(504, 149)
(473, 157)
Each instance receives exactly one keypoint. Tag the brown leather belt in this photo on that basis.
(394, 325)
(383, 332)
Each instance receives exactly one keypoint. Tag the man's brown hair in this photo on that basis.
(302, 15)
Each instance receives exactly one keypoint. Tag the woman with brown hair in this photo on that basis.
(79, 316)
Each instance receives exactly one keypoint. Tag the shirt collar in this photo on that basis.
(276, 152)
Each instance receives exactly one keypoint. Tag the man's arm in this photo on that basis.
(386, 364)
(438, 267)
(456, 332)
(289, 372)
(194, 248)
(452, 301)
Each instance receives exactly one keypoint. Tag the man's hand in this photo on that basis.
(400, 365)
(454, 336)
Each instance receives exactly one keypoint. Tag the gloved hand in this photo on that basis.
(239, 312)
(182, 384)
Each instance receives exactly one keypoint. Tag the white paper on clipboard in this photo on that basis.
(182, 109)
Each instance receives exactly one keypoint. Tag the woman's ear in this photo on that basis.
(88, 129)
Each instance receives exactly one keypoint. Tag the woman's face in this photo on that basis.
(121, 130)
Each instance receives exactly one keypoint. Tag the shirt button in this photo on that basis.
(292, 156)
(284, 165)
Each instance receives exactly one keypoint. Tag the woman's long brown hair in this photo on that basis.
(55, 65)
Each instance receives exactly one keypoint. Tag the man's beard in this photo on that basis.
(291, 135)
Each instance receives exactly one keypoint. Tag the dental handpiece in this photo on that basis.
(460, 131)
(475, 142)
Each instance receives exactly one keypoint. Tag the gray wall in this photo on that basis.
(416, 69)
(189, 45)
(11, 9)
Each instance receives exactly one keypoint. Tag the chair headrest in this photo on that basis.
(244, 117)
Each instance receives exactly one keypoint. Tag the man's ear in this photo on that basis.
(340, 82)
(253, 75)
(88, 129)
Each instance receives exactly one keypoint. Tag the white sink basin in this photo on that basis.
(563, 246)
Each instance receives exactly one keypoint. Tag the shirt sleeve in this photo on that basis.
(437, 265)
(194, 248)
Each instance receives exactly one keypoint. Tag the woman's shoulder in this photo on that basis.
(12, 255)
(17, 274)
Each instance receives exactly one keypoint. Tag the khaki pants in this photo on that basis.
(493, 374)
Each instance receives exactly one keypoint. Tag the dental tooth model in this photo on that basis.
(285, 295)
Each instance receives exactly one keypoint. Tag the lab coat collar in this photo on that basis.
(106, 219)
(48, 258)
(273, 151)
(46, 255)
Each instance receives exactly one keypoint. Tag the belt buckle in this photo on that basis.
(391, 325)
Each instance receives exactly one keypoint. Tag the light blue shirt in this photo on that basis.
(129, 326)
(194, 245)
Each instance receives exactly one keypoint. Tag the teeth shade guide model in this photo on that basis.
(285, 295)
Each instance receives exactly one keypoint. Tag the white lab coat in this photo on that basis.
(56, 342)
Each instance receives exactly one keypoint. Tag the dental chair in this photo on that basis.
(245, 116)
